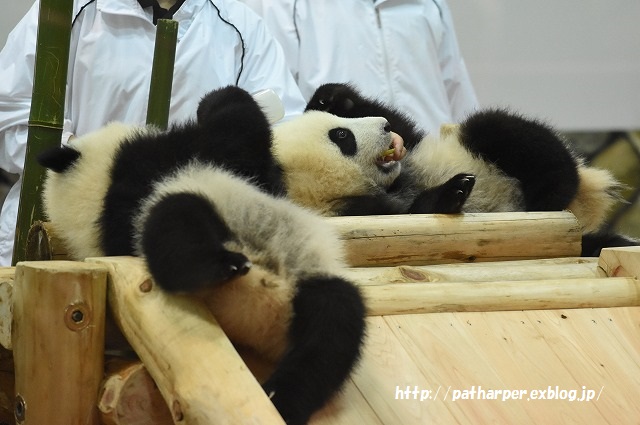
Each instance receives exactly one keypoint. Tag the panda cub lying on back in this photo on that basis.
(508, 163)
(202, 204)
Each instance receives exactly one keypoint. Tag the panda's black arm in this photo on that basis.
(344, 100)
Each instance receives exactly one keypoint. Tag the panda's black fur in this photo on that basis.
(531, 153)
(202, 204)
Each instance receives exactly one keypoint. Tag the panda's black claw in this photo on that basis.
(241, 269)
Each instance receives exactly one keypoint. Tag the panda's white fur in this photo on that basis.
(72, 200)
(435, 160)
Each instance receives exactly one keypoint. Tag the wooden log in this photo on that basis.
(550, 268)
(58, 341)
(434, 239)
(620, 262)
(6, 305)
(198, 372)
(410, 298)
(129, 396)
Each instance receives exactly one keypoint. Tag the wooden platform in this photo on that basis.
(478, 341)
(441, 358)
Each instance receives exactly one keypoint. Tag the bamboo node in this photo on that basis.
(146, 286)
(77, 316)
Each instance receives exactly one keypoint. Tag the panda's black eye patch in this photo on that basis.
(345, 140)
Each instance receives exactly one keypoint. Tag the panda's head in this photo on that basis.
(326, 158)
(346, 151)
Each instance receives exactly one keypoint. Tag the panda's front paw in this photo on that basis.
(195, 272)
(229, 265)
(447, 198)
(454, 193)
(337, 99)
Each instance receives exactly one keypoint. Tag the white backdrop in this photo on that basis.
(573, 62)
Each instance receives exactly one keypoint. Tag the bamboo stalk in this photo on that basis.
(47, 111)
(162, 73)
(58, 341)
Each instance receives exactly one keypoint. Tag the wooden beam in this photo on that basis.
(622, 262)
(433, 239)
(58, 341)
(549, 268)
(200, 375)
(410, 298)
(129, 396)
(425, 239)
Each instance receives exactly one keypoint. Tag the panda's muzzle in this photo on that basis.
(396, 151)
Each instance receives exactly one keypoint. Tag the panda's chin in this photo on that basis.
(388, 166)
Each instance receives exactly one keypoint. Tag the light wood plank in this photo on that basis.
(405, 298)
(548, 268)
(420, 239)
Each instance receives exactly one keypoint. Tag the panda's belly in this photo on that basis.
(255, 311)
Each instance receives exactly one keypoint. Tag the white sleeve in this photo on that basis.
(16, 86)
(265, 67)
(460, 91)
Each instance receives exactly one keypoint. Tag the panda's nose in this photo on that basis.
(387, 127)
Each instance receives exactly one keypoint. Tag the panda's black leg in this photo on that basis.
(447, 198)
(325, 336)
(236, 134)
(528, 150)
(182, 241)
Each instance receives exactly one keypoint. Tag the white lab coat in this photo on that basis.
(404, 52)
(110, 61)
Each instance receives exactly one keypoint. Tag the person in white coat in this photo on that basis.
(220, 42)
(404, 52)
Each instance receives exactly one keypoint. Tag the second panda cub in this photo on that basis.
(519, 163)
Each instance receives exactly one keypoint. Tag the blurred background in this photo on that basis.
(574, 64)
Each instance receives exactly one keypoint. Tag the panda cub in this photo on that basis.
(513, 163)
(355, 168)
(202, 204)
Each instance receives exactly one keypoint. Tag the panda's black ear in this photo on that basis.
(58, 159)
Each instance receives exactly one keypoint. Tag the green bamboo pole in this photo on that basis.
(47, 111)
(162, 73)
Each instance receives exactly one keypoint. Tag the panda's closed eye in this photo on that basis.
(345, 140)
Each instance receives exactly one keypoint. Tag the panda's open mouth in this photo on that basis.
(390, 157)
(387, 159)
